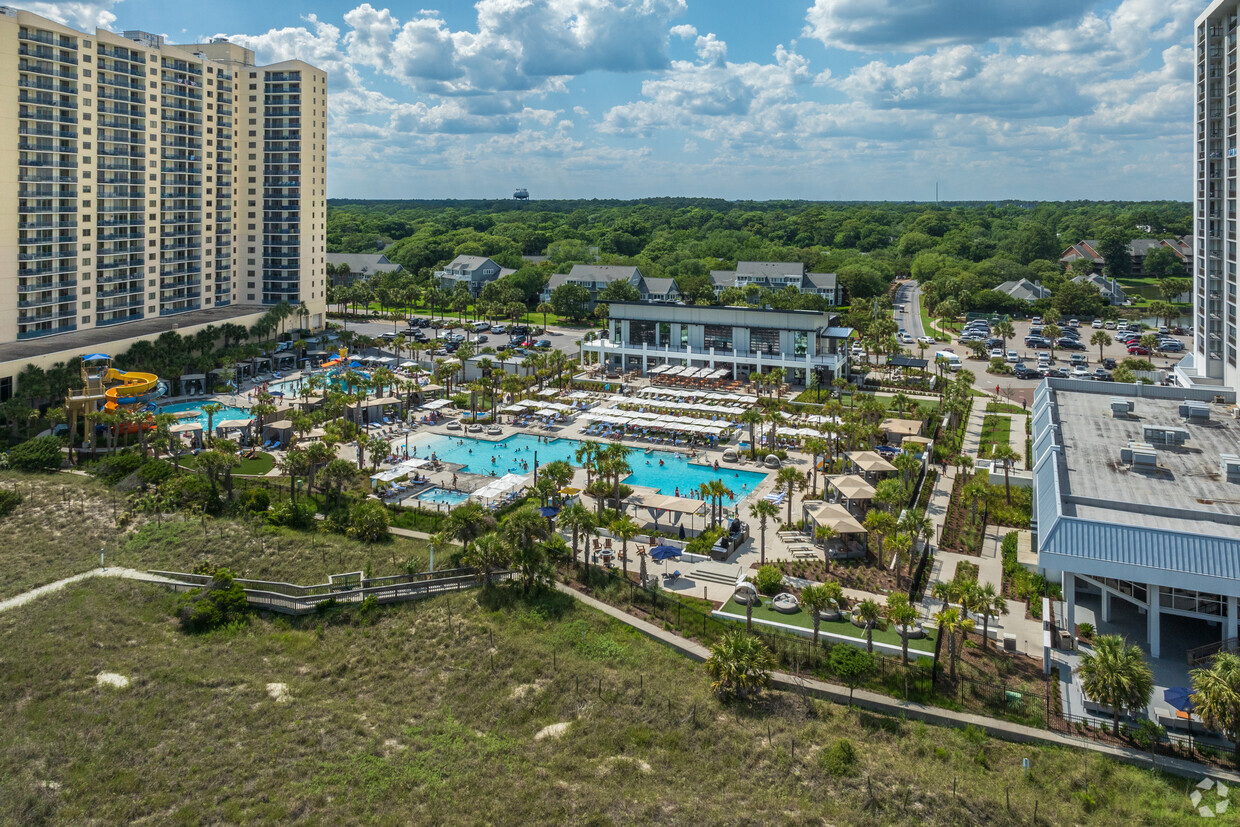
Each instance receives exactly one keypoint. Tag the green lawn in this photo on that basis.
(996, 429)
(431, 712)
(259, 466)
(1004, 407)
(929, 327)
(838, 627)
(919, 410)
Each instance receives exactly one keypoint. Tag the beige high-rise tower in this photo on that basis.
(146, 186)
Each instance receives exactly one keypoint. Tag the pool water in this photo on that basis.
(229, 412)
(675, 473)
(442, 495)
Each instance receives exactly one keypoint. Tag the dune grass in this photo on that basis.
(65, 520)
(431, 713)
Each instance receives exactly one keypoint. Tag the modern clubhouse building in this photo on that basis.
(1136, 507)
(151, 187)
(744, 340)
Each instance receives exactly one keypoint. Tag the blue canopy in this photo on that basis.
(664, 552)
(1181, 697)
(355, 364)
(548, 511)
(96, 357)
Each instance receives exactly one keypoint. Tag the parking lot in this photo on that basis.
(1018, 389)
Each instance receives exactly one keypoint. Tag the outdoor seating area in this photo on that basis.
(684, 376)
(847, 529)
(660, 429)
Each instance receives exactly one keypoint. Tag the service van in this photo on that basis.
(950, 359)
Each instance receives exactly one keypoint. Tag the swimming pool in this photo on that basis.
(513, 454)
(229, 412)
(442, 495)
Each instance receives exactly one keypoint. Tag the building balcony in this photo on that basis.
(47, 69)
(119, 68)
(47, 38)
(45, 116)
(132, 123)
(41, 84)
(48, 132)
(46, 301)
(46, 316)
(131, 96)
(122, 54)
(44, 285)
(42, 53)
(46, 331)
(134, 219)
(135, 261)
(102, 320)
(41, 178)
(54, 161)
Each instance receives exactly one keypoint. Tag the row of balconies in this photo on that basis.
(45, 115)
(47, 300)
(120, 82)
(48, 38)
(120, 68)
(43, 53)
(46, 85)
(117, 53)
(47, 131)
(43, 67)
(47, 225)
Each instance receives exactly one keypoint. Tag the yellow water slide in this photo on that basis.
(135, 388)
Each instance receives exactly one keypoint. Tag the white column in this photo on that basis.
(1229, 624)
(1106, 605)
(1069, 599)
(1154, 618)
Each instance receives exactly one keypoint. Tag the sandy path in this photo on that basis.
(112, 571)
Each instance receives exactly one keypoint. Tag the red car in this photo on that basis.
(1137, 350)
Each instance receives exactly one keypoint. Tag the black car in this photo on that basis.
(519, 330)
(1103, 375)
(1069, 344)
(1108, 363)
(1037, 341)
(1058, 373)
(993, 343)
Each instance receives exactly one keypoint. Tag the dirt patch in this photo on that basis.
(112, 679)
(553, 730)
(279, 692)
(519, 692)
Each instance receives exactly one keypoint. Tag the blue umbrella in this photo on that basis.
(548, 511)
(1181, 697)
(664, 552)
(96, 357)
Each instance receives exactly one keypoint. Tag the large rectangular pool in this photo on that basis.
(516, 455)
(229, 412)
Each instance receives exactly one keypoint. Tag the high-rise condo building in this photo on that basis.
(1213, 358)
(146, 187)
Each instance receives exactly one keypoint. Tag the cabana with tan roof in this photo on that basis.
(279, 432)
(846, 527)
(870, 464)
(852, 488)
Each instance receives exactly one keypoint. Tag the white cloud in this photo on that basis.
(84, 14)
(879, 25)
(683, 31)
(711, 49)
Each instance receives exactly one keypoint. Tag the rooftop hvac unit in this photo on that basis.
(1195, 411)
(1164, 435)
(1121, 401)
(1139, 455)
(1120, 408)
(1229, 465)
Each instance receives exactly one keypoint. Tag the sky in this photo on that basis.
(739, 99)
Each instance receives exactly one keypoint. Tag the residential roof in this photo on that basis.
(604, 272)
(770, 269)
(1115, 294)
(660, 286)
(369, 263)
(823, 281)
(1024, 290)
(468, 263)
(723, 278)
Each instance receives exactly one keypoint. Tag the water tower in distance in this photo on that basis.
(522, 194)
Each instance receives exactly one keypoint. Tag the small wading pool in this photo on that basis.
(442, 495)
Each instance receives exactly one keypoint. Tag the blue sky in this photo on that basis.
(817, 99)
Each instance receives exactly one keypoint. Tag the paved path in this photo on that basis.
(113, 571)
(933, 715)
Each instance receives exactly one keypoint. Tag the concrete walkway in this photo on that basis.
(128, 574)
(932, 715)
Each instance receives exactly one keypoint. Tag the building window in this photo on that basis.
(800, 342)
(764, 340)
(665, 333)
(718, 336)
(641, 333)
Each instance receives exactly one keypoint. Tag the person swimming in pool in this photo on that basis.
(660, 463)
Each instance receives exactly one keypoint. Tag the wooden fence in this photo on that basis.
(292, 599)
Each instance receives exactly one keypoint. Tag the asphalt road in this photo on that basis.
(908, 312)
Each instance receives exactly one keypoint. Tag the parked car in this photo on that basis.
(1108, 363)
(1058, 373)
(995, 353)
(543, 344)
(1138, 350)
(1103, 375)
(1080, 372)
(1163, 331)
(1073, 324)
(1026, 372)
(1068, 343)
(1171, 346)
(498, 328)
(1037, 320)
(1037, 341)
(1096, 324)
(1109, 325)
(1078, 359)
(1013, 356)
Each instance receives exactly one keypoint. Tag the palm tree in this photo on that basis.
(901, 613)
(1007, 455)
(739, 664)
(469, 521)
(870, 613)
(901, 546)
(488, 553)
(825, 534)
(753, 417)
(789, 479)
(576, 518)
(544, 308)
(1005, 330)
(1102, 339)
(1116, 675)
(523, 530)
(880, 524)
(915, 523)
(989, 602)
(587, 456)
(763, 510)
(816, 447)
(951, 623)
(815, 599)
(1216, 696)
(624, 529)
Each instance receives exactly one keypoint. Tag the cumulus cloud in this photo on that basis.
(84, 14)
(880, 25)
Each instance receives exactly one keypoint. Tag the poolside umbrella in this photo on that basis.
(664, 552)
(1181, 697)
(682, 533)
(548, 511)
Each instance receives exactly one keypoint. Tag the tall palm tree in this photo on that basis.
(952, 623)
(763, 510)
(789, 479)
(870, 613)
(879, 524)
(469, 521)
(989, 602)
(1216, 696)
(901, 547)
(825, 534)
(1116, 674)
(901, 613)
(815, 599)
(624, 529)
(753, 417)
(576, 518)
(488, 553)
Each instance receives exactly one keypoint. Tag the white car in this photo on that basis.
(1109, 325)
(1097, 325)
(858, 350)
(996, 354)
(1013, 356)
(926, 340)
(1080, 372)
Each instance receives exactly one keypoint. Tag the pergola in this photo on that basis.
(870, 463)
(851, 488)
(837, 518)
